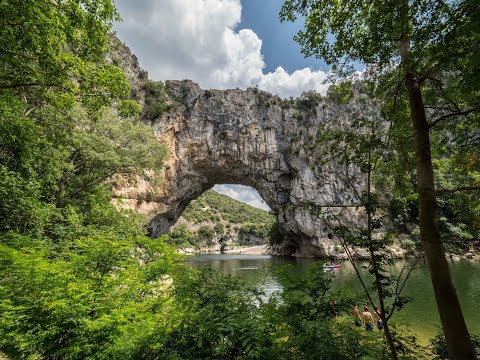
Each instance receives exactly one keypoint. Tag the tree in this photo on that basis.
(105, 146)
(55, 51)
(53, 166)
(66, 123)
(361, 153)
(417, 43)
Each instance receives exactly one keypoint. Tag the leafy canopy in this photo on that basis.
(56, 50)
(344, 31)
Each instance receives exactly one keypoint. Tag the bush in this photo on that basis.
(156, 100)
(408, 244)
(205, 235)
(180, 237)
(439, 346)
(218, 228)
(341, 93)
(274, 235)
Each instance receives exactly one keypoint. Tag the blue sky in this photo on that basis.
(278, 47)
(220, 44)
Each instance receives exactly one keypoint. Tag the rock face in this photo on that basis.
(252, 138)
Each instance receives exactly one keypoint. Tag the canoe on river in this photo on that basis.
(331, 267)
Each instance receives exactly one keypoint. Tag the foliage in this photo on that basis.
(423, 58)
(156, 100)
(439, 346)
(77, 275)
(220, 317)
(211, 203)
(56, 52)
(408, 244)
(274, 235)
(108, 297)
(218, 228)
(110, 146)
(315, 324)
(205, 235)
(308, 102)
(227, 215)
(180, 237)
(77, 302)
(362, 152)
(344, 32)
(53, 167)
(218, 320)
(342, 92)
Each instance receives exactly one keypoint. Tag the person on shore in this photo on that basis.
(378, 318)
(368, 319)
(356, 314)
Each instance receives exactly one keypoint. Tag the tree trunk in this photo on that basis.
(59, 192)
(458, 339)
(374, 262)
(386, 329)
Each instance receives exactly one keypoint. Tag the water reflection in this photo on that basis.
(420, 314)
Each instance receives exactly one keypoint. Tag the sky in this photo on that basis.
(220, 44)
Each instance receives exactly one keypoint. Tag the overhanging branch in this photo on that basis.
(461, 188)
(453, 114)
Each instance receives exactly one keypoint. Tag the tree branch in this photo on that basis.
(461, 188)
(13, 86)
(444, 117)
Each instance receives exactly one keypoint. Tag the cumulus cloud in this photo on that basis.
(283, 84)
(198, 40)
(245, 194)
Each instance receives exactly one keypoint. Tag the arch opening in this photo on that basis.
(243, 193)
(227, 217)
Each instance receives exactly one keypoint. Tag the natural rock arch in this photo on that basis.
(253, 138)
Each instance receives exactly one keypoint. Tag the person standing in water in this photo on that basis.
(368, 318)
(356, 314)
(378, 318)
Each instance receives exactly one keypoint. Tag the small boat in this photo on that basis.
(331, 267)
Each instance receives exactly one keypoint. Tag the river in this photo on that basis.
(420, 315)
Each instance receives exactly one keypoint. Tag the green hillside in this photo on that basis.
(213, 216)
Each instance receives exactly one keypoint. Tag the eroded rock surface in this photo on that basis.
(252, 138)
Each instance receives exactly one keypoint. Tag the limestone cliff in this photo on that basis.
(252, 138)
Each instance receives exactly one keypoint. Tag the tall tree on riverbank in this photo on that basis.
(421, 44)
(362, 155)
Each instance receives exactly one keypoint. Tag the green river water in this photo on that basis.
(420, 315)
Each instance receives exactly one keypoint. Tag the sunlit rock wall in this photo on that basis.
(253, 138)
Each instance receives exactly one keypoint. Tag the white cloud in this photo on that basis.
(196, 39)
(245, 194)
(283, 84)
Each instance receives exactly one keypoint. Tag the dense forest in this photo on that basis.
(81, 279)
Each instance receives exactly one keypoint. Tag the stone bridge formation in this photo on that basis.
(252, 138)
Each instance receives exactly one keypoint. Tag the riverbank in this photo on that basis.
(395, 252)
(217, 249)
(252, 250)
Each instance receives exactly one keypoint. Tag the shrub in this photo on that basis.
(408, 244)
(155, 100)
(439, 346)
(341, 93)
